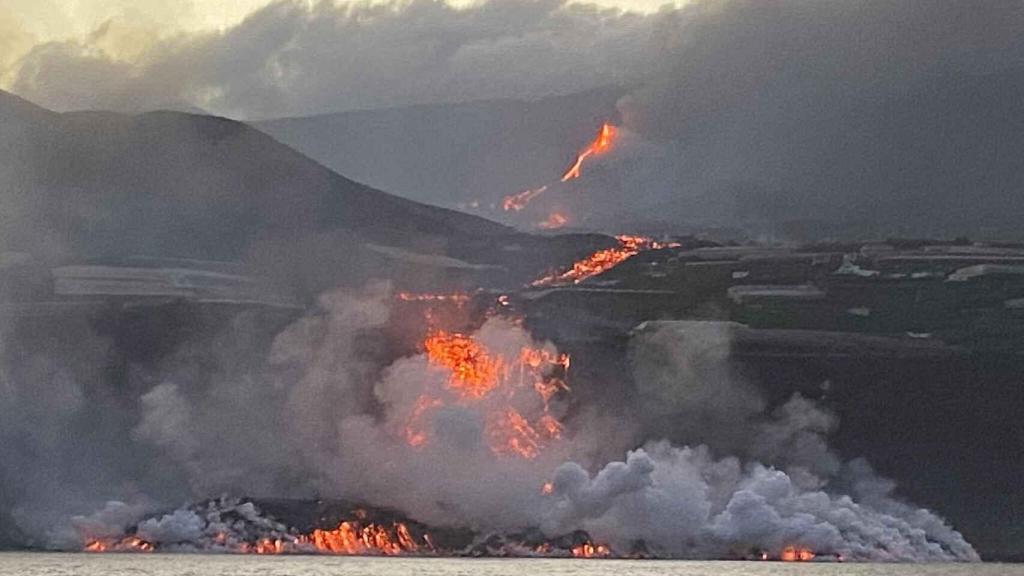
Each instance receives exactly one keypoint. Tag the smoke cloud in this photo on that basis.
(798, 119)
(822, 111)
(321, 415)
(290, 58)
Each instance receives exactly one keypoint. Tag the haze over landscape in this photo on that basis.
(719, 279)
(831, 117)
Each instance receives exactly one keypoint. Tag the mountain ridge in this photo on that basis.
(88, 185)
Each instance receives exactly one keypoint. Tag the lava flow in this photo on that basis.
(350, 538)
(353, 538)
(126, 544)
(519, 201)
(794, 554)
(601, 144)
(473, 372)
(603, 260)
(496, 383)
(590, 550)
(554, 221)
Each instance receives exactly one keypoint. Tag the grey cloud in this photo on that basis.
(795, 118)
(807, 118)
(289, 59)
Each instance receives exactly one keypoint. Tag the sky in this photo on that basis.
(58, 19)
(252, 59)
(138, 24)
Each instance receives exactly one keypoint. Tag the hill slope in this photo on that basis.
(94, 185)
(937, 157)
(453, 153)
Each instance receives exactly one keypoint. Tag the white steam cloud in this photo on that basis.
(322, 419)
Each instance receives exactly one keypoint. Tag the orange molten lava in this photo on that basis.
(351, 538)
(264, 546)
(601, 144)
(794, 554)
(517, 202)
(589, 550)
(510, 433)
(604, 260)
(126, 544)
(554, 221)
(475, 373)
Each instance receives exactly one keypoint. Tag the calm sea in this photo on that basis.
(29, 564)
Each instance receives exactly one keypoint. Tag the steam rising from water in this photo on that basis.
(320, 415)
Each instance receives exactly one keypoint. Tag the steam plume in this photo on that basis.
(329, 422)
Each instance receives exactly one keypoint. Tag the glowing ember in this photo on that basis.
(603, 260)
(554, 221)
(602, 143)
(517, 202)
(589, 550)
(794, 554)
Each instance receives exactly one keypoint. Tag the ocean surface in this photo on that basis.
(29, 564)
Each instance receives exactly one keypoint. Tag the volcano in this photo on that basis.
(190, 315)
(97, 186)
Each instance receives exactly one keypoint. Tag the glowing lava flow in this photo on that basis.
(519, 201)
(603, 260)
(473, 372)
(590, 550)
(350, 538)
(602, 143)
(554, 221)
(478, 376)
(126, 544)
(794, 554)
(353, 538)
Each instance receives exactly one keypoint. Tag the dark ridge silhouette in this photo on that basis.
(448, 154)
(100, 186)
